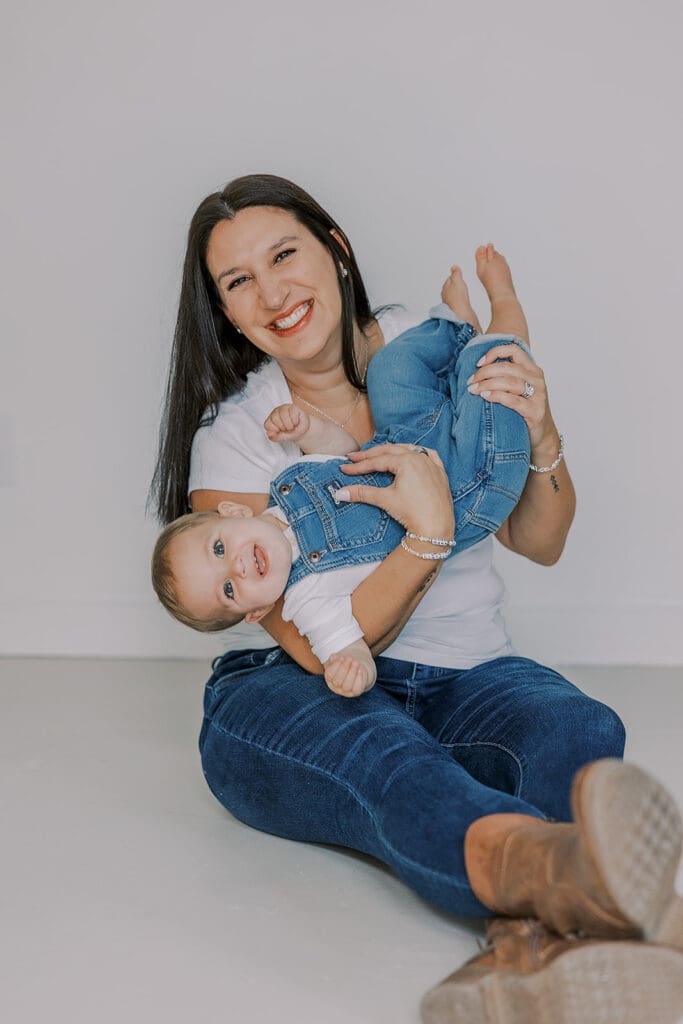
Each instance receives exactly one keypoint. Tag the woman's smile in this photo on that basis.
(296, 317)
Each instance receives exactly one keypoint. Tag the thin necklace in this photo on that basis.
(321, 412)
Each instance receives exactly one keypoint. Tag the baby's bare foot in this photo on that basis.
(456, 296)
(507, 315)
(494, 273)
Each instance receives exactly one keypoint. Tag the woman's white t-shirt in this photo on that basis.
(457, 624)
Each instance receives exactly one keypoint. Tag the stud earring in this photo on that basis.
(237, 329)
(344, 271)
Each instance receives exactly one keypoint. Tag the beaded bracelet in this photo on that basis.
(431, 556)
(558, 460)
(439, 541)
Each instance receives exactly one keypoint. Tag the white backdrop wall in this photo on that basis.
(553, 130)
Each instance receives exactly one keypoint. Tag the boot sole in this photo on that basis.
(631, 828)
(599, 983)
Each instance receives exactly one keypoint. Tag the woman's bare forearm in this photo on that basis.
(538, 526)
(383, 603)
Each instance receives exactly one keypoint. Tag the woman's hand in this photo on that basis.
(419, 497)
(505, 384)
(538, 525)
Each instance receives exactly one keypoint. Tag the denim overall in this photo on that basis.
(417, 388)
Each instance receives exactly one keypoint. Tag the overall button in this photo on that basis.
(315, 556)
(284, 489)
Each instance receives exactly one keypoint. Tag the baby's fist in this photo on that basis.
(287, 423)
(348, 676)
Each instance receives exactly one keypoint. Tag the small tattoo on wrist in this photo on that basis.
(554, 483)
(427, 582)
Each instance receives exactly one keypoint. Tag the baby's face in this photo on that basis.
(238, 566)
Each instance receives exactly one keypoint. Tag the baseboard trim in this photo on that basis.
(136, 628)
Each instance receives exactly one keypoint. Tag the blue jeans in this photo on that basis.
(402, 771)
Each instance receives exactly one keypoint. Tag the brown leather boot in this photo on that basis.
(528, 975)
(611, 874)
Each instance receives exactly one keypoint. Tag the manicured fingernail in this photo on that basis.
(481, 361)
(470, 379)
(343, 494)
(485, 394)
(473, 388)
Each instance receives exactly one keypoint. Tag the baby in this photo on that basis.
(214, 569)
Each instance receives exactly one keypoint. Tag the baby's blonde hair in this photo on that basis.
(165, 583)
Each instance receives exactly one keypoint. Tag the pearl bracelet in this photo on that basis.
(558, 460)
(439, 541)
(431, 556)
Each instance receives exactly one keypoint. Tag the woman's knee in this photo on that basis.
(607, 736)
(552, 728)
(552, 714)
(587, 729)
(582, 730)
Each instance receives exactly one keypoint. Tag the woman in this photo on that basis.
(462, 748)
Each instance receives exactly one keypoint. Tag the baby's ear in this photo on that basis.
(232, 510)
(257, 614)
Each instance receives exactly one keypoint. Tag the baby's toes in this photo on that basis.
(480, 257)
(453, 284)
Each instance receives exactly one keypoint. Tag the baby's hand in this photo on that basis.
(287, 423)
(349, 676)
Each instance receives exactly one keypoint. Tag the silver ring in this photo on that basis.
(418, 449)
(529, 390)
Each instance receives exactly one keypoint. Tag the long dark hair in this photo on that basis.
(209, 359)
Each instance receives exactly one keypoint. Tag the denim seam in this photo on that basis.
(411, 698)
(435, 417)
(498, 746)
(398, 772)
(321, 771)
(480, 476)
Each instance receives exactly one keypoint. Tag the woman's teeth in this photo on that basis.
(289, 321)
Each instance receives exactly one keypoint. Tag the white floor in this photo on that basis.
(128, 894)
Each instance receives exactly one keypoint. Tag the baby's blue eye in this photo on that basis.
(219, 549)
(227, 589)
